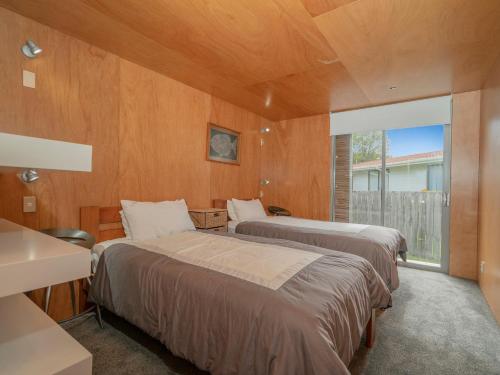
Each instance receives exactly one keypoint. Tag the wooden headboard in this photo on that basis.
(222, 203)
(104, 223)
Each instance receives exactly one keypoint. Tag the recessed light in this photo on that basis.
(327, 62)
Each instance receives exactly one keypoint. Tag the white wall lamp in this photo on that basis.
(32, 153)
(265, 130)
(30, 49)
(264, 182)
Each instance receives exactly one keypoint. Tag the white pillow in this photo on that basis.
(248, 210)
(148, 220)
(231, 211)
(126, 228)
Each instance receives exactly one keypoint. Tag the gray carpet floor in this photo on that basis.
(438, 325)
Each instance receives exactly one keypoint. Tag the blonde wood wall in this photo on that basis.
(148, 132)
(296, 159)
(464, 184)
(489, 197)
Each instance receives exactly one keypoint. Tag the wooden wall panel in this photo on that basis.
(148, 133)
(162, 138)
(76, 99)
(489, 187)
(296, 159)
(464, 185)
(228, 181)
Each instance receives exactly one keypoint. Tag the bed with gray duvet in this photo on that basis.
(237, 304)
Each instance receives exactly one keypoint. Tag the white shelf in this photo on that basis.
(32, 343)
(31, 260)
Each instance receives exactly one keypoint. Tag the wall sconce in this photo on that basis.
(264, 182)
(265, 130)
(28, 176)
(19, 151)
(30, 49)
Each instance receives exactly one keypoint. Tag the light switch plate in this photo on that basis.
(29, 79)
(29, 204)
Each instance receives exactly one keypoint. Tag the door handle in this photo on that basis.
(446, 199)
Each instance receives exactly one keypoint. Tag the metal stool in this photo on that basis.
(80, 238)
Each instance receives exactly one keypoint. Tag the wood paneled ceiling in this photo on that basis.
(291, 58)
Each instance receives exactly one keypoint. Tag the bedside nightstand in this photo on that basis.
(214, 219)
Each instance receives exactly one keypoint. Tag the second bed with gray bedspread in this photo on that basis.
(379, 245)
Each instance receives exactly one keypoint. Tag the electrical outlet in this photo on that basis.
(29, 204)
(481, 267)
(29, 79)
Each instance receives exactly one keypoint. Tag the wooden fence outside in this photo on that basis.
(415, 214)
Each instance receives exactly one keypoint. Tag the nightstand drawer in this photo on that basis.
(209, 218)
(218, 229)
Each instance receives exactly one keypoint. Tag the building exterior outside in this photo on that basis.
(416, 172)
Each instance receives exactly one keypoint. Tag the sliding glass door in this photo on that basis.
(400, 179)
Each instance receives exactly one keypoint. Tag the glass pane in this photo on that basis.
(366, 198)
(413, 185)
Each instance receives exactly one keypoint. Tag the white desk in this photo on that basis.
(31, 342)
(31, 260)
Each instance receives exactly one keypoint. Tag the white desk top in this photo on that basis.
(30, 260)
(32, 343)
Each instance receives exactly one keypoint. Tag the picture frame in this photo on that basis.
(223, 144)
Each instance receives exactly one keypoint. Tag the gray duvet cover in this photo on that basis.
(379, 245)
(312, 324)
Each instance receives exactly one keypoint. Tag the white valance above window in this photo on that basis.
(423, 112)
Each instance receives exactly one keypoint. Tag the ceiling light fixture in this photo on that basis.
(30, 49)
(327, 61)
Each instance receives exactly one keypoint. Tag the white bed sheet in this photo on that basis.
(99, 248)
(231, 225)
(304, 223)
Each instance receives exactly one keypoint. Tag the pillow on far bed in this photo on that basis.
(231, 211)
(248, 210)
(148, 220)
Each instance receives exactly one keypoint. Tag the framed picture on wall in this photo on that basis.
(223, 145)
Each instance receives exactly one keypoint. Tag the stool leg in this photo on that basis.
(72, 292)
(48, 291)
(99, 317)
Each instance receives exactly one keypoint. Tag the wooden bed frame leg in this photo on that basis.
(370, 330)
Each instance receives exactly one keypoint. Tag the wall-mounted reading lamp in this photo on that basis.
(264, 182)
(30, 49)
(265, 130)
(28, 176)
(32, 153)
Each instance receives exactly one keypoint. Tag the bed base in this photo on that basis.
(370, 330)
(222, 203)
(104, 223)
